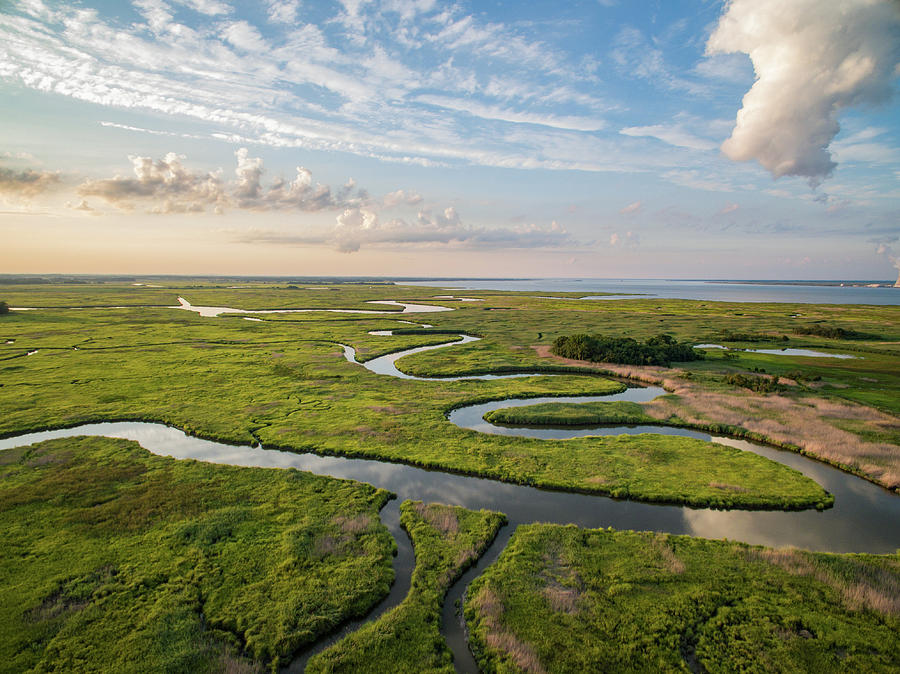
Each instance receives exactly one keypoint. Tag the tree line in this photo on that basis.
(658, 350)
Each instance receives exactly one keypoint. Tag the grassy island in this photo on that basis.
(447, 540)
(563, 414)
(119, 560)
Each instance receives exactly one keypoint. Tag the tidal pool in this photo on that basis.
(809, 353)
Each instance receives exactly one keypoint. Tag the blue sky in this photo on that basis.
(749, 139)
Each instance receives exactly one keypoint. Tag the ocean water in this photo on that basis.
(714, 291)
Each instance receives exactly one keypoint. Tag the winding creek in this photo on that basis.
(864, 518)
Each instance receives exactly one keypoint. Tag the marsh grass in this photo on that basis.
(119, 560)
(287, 384)
(856, 438)
(653, 602)
(567, 414)
(446, 540)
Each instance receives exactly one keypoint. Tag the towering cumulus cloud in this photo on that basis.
(812, 58)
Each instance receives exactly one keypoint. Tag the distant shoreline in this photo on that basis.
(24, 279)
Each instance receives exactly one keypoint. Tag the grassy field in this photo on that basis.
(842, 411)
(187, 566)
(119, 560)
(285, 380)
(568, 414)
(564, 599)
(447, 540)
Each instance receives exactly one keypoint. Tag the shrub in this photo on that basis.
(758, 384)
(832, 332)
(728, 336)
(659, 350)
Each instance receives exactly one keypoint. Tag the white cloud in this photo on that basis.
(358, 227)
(167, 186)
(283, 11)
(727, 67)
(26, 183)
(633, 207)
(401, 197)
(626, 240)
(863, 147)
(502, 114)
(673, 135)
(812, 59)
(208, 7)
(639, 56)
(27, 156)
(244, 36)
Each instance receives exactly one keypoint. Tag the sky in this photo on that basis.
(743, 139)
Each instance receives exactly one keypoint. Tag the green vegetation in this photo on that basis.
(832, 332)
(4, 308)
(119, 560)
(188, 566)
(563, 599)
(728, 336)
(755, 383)
(286, 381)
(447, 540)
(566, 414)
(658, 350)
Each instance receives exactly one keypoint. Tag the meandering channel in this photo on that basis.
(863, 518)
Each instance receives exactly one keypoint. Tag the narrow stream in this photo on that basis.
(864, 518)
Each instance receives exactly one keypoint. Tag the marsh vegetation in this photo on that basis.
(446, 541)
(119, 560)
(223, 541)
(564, 599)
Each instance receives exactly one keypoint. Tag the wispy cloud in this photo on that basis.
(728, 208)
(314, 86)
(358, 228)
(671, 134)
(516, 117)
(625, 240)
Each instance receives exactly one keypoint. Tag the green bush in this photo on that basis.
(659, 350)
(758, 384)
(832, 332)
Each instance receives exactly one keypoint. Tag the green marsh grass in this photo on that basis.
(287, 383)
(447, 540)
(564, 599)
(119, 560)
(568, 414)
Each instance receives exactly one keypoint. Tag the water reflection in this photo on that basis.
(407, 308)
(809, 353)
(863, 520)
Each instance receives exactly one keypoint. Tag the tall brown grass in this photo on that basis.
(441, 518)
(873, 588)
(490, 609)
(662, 545)
(789, 420)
